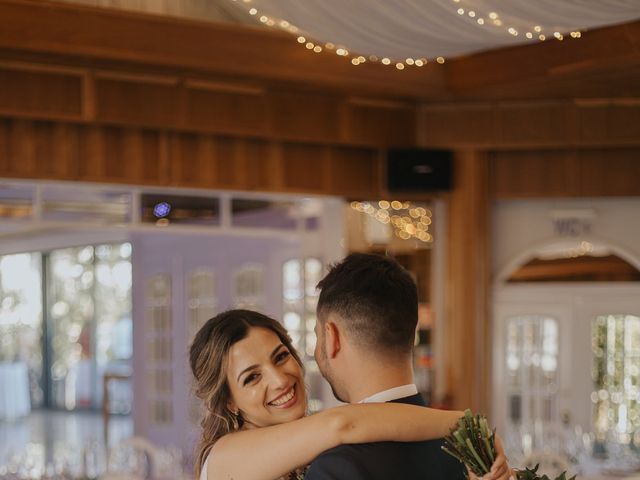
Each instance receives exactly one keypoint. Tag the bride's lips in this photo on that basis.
(292, 392)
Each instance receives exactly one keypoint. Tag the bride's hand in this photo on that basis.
(500, 469)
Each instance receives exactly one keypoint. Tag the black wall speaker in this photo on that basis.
(419, 170)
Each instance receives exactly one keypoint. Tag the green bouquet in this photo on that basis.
(473, 443)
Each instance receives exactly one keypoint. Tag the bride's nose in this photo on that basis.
(278, 378)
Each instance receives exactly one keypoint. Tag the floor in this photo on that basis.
(45, 437)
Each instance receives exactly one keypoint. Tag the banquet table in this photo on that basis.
(15, 400)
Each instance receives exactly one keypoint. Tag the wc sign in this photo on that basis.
(575, 223)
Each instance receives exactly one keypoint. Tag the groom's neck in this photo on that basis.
(369, 376)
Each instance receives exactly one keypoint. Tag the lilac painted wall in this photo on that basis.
(178, 255)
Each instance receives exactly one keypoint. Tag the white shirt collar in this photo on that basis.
(392, 394)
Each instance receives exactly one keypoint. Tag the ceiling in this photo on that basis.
(404, 29)
(481, 62)
(401, 29)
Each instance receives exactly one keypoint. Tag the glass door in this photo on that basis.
(90, 327)
(21, 331)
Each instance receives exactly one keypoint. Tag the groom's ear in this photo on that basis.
(333, 339)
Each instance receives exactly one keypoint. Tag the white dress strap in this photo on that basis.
(203, 472)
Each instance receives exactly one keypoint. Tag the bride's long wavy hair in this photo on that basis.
(208, 358)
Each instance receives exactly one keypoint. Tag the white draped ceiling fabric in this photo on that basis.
(401, 29)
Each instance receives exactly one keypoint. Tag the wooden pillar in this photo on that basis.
(468, 340)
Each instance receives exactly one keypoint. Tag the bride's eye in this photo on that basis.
(282, 356)
(250, 378)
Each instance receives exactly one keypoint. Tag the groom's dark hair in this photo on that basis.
(375, 299)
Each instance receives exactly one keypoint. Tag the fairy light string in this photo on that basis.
(488, 19)
(407, 220)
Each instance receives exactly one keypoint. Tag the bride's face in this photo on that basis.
(265, 380)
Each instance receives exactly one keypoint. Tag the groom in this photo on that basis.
(367, 317)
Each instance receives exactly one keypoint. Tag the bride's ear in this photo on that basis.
(333, 339)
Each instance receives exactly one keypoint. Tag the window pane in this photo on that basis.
(16, 201)
(264, 214)
(114, 327)
(88, 205)
(21, 318)
(532, 368)
(72, 308)
(616, 365)
(164, 210)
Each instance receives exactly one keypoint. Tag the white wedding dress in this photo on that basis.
(203, 473)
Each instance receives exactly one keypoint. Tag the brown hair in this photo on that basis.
(208, 358)
(376, 300)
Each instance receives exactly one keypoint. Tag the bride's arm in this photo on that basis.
(267, 453)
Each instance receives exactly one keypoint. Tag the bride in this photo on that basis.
(250, 379)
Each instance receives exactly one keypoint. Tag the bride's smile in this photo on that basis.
(286, 400)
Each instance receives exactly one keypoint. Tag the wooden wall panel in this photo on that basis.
(355, 173)
(131, 156)
(137, 101)
(447, 125)
(565, 173)
(305, 168)
(5, 167)
(221, 108)
(56, 150)
(36, 149)
(64, 153)
(192, 160)
(205, 161)
(227, 166)
(34, 89)
(312, 116)
(120, 155)
(531, 125)
(21, 149)
(385, 124)
(260, 169)
(601, 122)
(537, 124)
(612, 172)
(519, 174)
(92, 154)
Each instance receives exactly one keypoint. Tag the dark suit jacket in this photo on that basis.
(387, 460)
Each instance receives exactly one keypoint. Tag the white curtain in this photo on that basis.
(401, 29)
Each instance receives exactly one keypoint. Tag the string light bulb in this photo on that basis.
(406, 220)
(356, 59)
(511, 29)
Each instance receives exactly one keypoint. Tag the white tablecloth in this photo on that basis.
(603, 476)
(15, 400)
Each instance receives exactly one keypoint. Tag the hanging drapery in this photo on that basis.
(401, 29)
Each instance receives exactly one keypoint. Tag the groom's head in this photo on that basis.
(370, 303)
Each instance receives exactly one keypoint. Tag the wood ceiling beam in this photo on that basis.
(599, 58)
(247, 51)
(603, 63)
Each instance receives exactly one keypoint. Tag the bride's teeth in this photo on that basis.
(285, 399)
